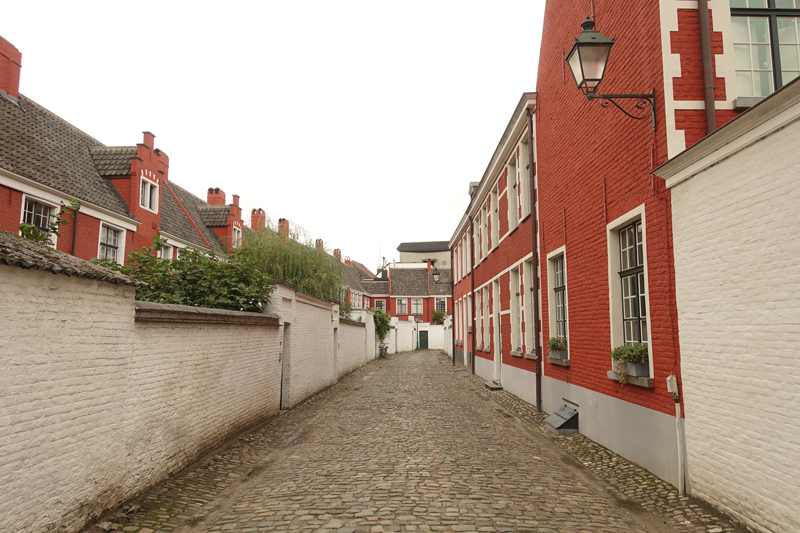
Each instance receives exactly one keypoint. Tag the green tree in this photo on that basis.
(383, 324)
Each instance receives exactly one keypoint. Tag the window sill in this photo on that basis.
(559, 362)
(746, 102)
(529, 355)
(515, 353)
(647, 383)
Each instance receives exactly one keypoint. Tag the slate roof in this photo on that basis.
(38, 145)
(113, 160)
(443, 287)
(409, 282)
(174, 221)
(376, 287)
(362, 270)
(429, 246)
(19, 252)
(214, 216)
(352, 279)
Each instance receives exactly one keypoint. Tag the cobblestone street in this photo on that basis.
(408, 444)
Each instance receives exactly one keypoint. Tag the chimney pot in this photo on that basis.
(10, 67)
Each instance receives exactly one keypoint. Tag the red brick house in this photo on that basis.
(602, 234)
(125, 192)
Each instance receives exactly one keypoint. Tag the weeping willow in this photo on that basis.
(295, 260)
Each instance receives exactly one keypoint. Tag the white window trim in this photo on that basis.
(120, 244)
(551, 300)
(171, 248)
(414, 302)
(397, 306)
(511, 192)
(383, 301)
(436, 301)
(516, 340)
(524, 185)
(53, 207)
(152, 183)
(236, 235)
(527, 305)
(487, 336)
(495, 215)
(614, 286)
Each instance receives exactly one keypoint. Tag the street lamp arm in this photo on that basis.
(643, 101)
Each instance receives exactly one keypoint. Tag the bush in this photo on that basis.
(383, 324)
(438, 317)
(557, 343)
(196, 279)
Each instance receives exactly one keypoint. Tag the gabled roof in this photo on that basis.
(409, 282)
(352, 278)
(376, 287)
(428, 246)
(362, 270)
(19, 252)
(113, 160)
(38, 145)
(174, 221)
(214, 216)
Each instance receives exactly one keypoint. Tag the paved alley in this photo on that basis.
(404, 444)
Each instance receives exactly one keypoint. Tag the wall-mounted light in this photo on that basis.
(587, 61)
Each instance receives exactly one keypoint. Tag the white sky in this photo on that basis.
(361, 121)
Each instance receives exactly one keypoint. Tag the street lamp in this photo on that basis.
(587, 61)
(436, 275)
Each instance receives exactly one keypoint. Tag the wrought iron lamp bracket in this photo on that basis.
(642, 103)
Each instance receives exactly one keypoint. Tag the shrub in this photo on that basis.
(557, 343)
(631, 353)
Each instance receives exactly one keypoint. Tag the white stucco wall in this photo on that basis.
(95, 407)
(736, 232)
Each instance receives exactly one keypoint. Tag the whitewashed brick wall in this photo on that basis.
(352, 344)
(737, 261)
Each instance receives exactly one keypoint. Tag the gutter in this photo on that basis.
(535, 264)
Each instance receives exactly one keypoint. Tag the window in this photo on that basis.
(166, 252)
(486, 316)
(766, 45)
(527, 283)
(479, 321)
(111, 244)
(511, 193)
(516, 310)
(237, 238)
(416, 306)
(559, 296)
(380, 304)
(38, 214)
(148, 195)
(402, 308)
(495, 218)
(441, 305)
(634, 297)
(524, 182)
(366, 302)
(484, 232)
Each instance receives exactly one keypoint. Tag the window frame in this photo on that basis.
(771, 13)
(120, 246)
(380, 303)
(615, 285)
(236, 237)
(436, 301)
(553, 259)
(416, 306)
(153, 194)
(512, 192)
(54, 208)
(404, 306)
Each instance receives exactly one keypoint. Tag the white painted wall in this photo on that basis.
(447, 335)
(736, 229)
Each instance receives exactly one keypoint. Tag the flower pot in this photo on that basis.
(558, 354)
(639, 370)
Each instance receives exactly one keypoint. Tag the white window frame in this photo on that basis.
(380, 304)
(525, 189)
(167, 251)
(416, 306)
(486, 317)
(614, 284)
(404, 306)
(236, 241)
(153, 195)
(54, 208)
(484, 230)
(479, 320)
(527, 302)
(436, 302)
(511, 193)
(515, 296)
(552, 311)
(120, 242)
(495, 206)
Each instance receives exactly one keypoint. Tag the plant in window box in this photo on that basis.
(558, 347)
(631, 360)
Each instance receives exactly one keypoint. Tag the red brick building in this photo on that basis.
(125, 192)
(602, 238)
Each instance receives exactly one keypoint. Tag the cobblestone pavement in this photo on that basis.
(411, 444)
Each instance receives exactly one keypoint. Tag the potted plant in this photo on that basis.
(558, 347)
(631, 360)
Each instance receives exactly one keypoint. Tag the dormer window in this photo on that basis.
(237, 238)
(148, 196)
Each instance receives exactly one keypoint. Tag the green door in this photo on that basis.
(423, 340)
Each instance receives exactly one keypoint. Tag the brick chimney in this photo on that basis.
(258, 219)
(283, 228)
(346, 260)
(337, 253)
(319, 244)
(149, 139)
(235, 200)
(10, 66)
(216, 196)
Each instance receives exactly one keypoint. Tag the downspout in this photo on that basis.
(75, 232)
(708, 73)
(472, 290)
(453, 299)
(535, 265)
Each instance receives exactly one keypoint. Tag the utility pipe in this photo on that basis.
(678, 432)
(534, 265)
(708, 71)
(453, 298)
(471, 243)
(75, 232)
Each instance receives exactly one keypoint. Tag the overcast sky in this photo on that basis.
(362, 122)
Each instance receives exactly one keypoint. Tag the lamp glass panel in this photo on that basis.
(593, 59)
(574, 62)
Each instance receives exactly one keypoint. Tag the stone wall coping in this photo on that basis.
(156, 312)
(352, 322)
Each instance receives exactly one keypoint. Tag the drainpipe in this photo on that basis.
(472, 290)
(708, 73)
(75, 232)
(535, 265)
(453, 298)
